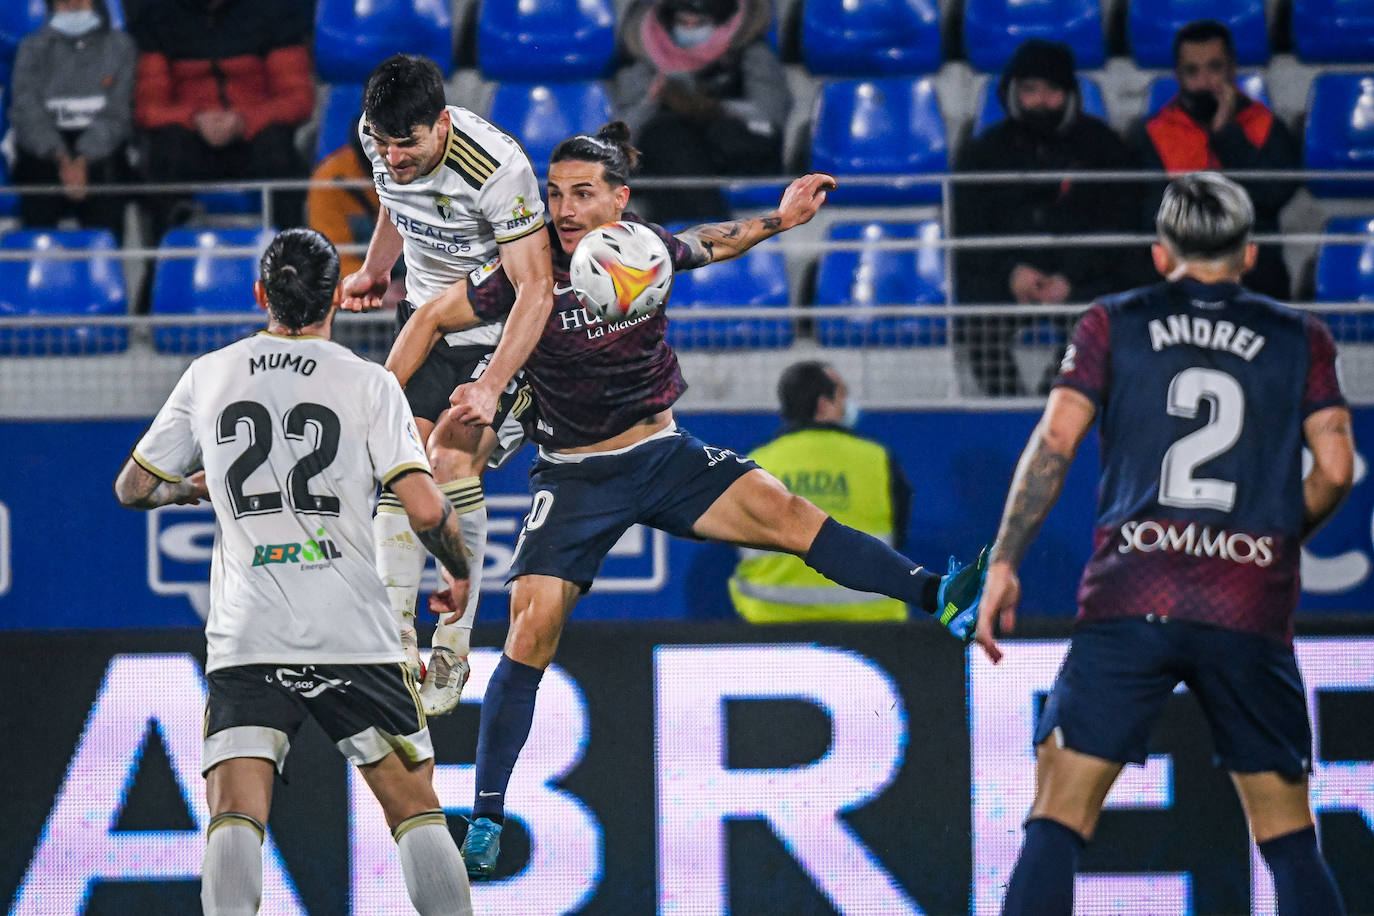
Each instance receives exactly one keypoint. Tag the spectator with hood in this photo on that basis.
(1212, 125)
(71, 109)
(704, 95)
(1045, 130)
(222, 87)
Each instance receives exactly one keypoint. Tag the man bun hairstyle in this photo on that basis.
(1205, 216)
(403, 92)
(801, 388)
(610, 146)
(300, 271)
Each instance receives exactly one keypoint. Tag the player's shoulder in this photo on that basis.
(481, 146)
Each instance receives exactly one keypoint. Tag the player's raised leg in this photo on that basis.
(759, 511)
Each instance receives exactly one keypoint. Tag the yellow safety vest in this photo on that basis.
(847, 477)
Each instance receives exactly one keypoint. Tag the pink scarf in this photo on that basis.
(669, 58)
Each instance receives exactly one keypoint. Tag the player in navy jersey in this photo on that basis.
(611, 456)
(1205, 395)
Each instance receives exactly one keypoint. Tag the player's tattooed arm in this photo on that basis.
(1039, 477)
(1327, 433)
(138, 488)
(723, 241)
(445, 541)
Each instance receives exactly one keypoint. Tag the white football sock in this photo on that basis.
(231, 872)
(400, 561)
(436, 878)
(470, 504)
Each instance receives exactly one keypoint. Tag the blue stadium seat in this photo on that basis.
(875, 277)
(994, 28)
(1152, 24)
(9, 203)
(873, 38)
(1164, 88)
(1340, 131)
(1333, 31)
(542, 114)
(546, 40)
(879, 127)
(990, 106)
(343, 102)
(206, 284)
(1345, 273)
(353, 36)
(759, 278)
(43, 286)
(17, 19)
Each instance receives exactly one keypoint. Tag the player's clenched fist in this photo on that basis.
(363, 290)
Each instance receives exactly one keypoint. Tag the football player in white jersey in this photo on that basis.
(455, 191)
(293, 433)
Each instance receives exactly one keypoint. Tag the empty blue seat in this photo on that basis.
(1333, 31)
(546, 40)
(990, 109)
(1152, 24)
(1340, 131)
(353, 36)
(872, 38)
(343, 103)
(46, 286)
(758, 278)
(205, 284)
(1164, 88)
(994, 28)
(875, 277)
(542, 114)
(879, 127)
(1345, 273)
(17, 19)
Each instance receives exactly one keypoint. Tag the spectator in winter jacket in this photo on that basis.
(71, 113)
(336, 206)
(1045, 130)
(1211, 124)
(222, 87)
(705, 95)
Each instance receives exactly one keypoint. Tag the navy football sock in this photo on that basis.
(507, 713)
(864, 563)
(1042, 883)
(1302, 882)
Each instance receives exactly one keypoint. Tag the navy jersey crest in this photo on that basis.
(1201, 390)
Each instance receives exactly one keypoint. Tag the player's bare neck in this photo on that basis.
(1208, 272)
(641, 430)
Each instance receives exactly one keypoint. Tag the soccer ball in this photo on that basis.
(621, 271)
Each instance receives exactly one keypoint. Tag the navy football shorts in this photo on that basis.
(1119, 673)
(581, 508)
(368, 711)
(446, 368)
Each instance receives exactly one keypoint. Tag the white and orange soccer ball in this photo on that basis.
(621, 271)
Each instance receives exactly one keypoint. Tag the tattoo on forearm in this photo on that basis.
(445, 541)
(733, 237)
(1036, 485)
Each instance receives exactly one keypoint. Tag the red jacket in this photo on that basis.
(1184, 146)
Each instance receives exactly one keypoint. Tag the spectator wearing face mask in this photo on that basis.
(705, 95)
(72, 115)
(1212, 125)
(1045, 130)
(859, 482)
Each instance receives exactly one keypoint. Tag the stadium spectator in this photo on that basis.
(72, 114)
(705, 95)
(1045, 130)
(857, 481)
(222, 87)
(1211, 124)
(1159, 602)
(338, 209)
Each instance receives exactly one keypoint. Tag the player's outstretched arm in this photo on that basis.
(529, 268)
(1035, 487)
(138, 488)
(435, 524)
(1328, 435)
(364, 288)
(722, 241)
(449, 311)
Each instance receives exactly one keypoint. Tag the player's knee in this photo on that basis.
(536, 623)
(802, 519)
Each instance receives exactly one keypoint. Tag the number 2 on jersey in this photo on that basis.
(1177, 485)
(259, 431)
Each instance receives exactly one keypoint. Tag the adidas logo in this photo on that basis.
(404, 539)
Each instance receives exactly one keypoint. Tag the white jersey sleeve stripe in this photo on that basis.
(154, 469)
(400, 469)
